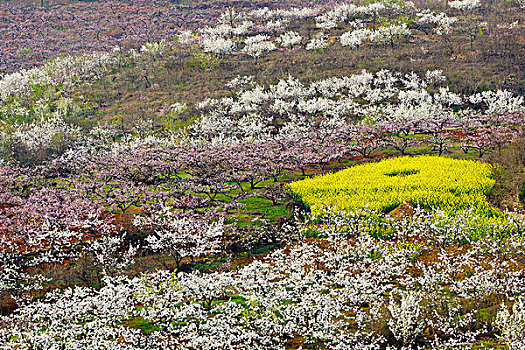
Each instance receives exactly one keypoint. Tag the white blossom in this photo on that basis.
(464, 5)
(289, 39)
(512, 325)
(317, 44)
(356, 37)
(217, 45)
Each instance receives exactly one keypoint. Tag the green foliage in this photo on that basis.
(521, 194)
(205, 61)
(403, 172)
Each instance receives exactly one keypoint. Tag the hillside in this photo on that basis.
(258, 175)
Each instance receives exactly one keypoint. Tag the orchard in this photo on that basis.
(233, 175)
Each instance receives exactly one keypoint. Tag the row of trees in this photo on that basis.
(63, 201)
(348, 290)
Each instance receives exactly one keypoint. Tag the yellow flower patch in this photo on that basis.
(430, 181)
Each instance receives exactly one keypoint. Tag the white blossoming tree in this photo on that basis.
(512, 325)
(217, 45)
(182, 237)
(290, 39)
(464, 5)
(256, 46)
(406, 323)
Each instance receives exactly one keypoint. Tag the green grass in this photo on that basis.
(145, 326)
(489, 344)
(263, 207)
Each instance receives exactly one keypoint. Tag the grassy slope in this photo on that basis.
(491, 61)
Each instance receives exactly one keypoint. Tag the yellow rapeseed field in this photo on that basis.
(430, 181)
